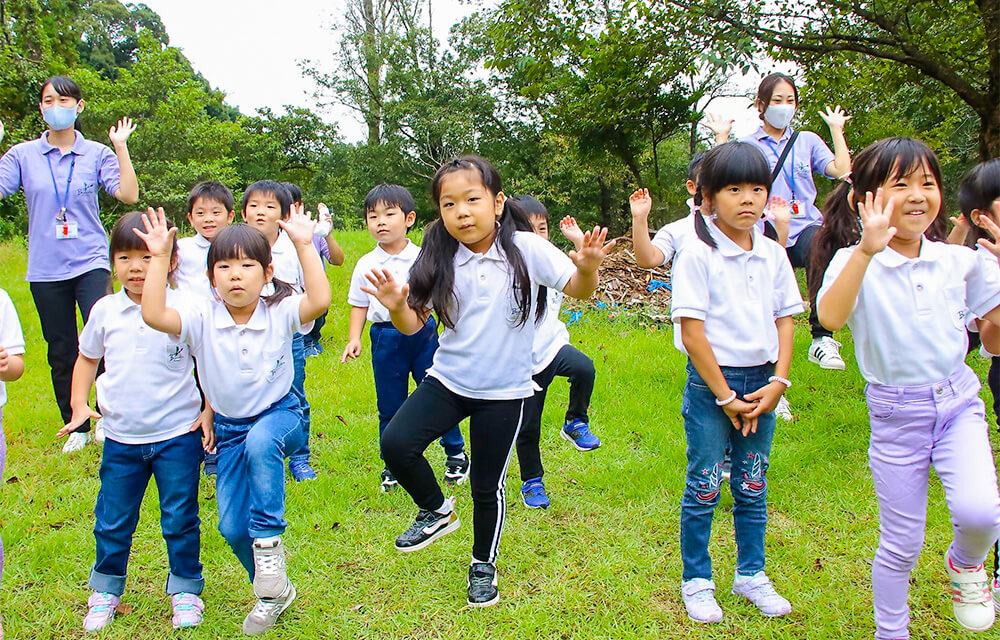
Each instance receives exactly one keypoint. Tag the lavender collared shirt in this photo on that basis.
(809, 155)
(26, 166)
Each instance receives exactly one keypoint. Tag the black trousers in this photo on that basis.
(57, 303)
(430, 412)
(570, 363)
(798, 255)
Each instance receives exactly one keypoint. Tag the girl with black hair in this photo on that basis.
(67, 246)
(243, 344)
(481, 275)
(734, 298)
(907, 297)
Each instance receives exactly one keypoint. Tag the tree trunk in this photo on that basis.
(373, 75)
(606, 204)
(989, 134)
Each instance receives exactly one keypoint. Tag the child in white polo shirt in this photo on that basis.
(11, 368)
(733, 300)
(907, 296)
(389, 213)
(481, 278)
(150, 410)
(243, 343)
(552, 355)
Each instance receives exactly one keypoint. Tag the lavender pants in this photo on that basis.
(943, 424)
(3, 463)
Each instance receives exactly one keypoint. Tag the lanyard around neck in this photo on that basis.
(788, 172)
(64, 201)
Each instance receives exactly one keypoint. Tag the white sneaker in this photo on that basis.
(825, 352)
(759, 590)
(99, 431)
(971, 597)
(265, 613)
(699, 600)
(783, 410)
(76, 441)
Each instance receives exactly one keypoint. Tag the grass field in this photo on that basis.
(602, 562)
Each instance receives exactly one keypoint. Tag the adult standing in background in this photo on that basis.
(777, 99)
(68, 264)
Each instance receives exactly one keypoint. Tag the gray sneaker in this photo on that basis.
(265, 613)
(270, 576)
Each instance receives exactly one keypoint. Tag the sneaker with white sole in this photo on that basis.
(482, 585)
(265, 613)
(389, 481)
(99, 431)
(825, 352)
(759, 590)
(188, 610)
(76, 441)
(428, 527)
(783, 410)
(100, 611)
(971, 598)
(456, 469)
(270, 576)
(699, 600)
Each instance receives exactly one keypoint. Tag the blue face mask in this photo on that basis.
(59, 118)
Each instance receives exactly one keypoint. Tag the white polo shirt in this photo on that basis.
(398, 265)
(486, 356)
(243, 369)
(191, 274)
(11, 337)
(737, 293)
(671, 237)
(286, 264)
(551, 335)
(147, 391)
(910, 316)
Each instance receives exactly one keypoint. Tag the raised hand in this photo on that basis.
(1, 131)
(158, 238)
(390, 293)
(119, 133)
(875, 215)
(299, 226)
(780, 210)
(640, 203)
(352, 350)
(593, 251)
(572, 231)
(835, 118)
(718, 125)
(993, 246)
(325, 223)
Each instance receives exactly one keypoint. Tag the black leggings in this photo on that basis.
(430, 412)
(56, 303)
(570, 363)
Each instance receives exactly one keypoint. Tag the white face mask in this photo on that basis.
(779, 116)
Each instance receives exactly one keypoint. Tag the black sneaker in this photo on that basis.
(428, 527)
(456, 470)
(483, 585)
(388, 481)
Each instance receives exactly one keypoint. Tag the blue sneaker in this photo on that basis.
(313, 348)
(301, 470)
(533, 494)
(577, 432)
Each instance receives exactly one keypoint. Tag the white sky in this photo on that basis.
(250, 49)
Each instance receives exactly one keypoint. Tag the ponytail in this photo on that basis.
(841, 228)
(281, 291)
(701, 227)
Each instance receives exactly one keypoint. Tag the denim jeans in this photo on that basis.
(175, 464)
(299, 389)
(250, 486)
(708, 430)
(944, 425)
(396, 357)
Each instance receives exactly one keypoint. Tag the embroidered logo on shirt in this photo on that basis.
(86, 187)
(175, 354)
(276, 369)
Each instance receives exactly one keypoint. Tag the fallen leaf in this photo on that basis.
(124, 609)
(341, 418)
(818, 565)
(357, 607)
(13, 480)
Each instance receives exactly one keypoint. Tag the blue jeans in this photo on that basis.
(299, 389)
(708, 430)
(395, 357)
(250, 486)
(125, 471)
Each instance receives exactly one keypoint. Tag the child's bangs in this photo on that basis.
(123, 237)
(734, 163)
(907, 155)
(239, 242)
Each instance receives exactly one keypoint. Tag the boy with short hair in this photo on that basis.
(552, 355)
(389, 213)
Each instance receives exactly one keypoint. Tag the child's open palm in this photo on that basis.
(593, 251)
(572, 231)
(875, 214)
(299, 226)
(390, 293)
(640, 203)
(158, 237)
(993, 246)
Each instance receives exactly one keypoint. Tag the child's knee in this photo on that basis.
(977, 514)
(705, 484)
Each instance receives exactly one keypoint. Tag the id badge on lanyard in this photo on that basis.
(65, 230)
(798, 208)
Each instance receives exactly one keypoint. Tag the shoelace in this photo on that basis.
(972, 592)
(424, 518)
(480, 579)
(269, 564)
(263, 608)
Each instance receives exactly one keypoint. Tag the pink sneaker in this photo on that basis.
(188, 610)
(102, 611)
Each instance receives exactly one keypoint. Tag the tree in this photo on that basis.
(956, 44)
(110, 31)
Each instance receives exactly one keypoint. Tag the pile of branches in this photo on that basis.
(627, 288)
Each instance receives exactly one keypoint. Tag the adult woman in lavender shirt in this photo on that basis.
(777, 98)
(68, 264)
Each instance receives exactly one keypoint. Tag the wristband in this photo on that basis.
(784, 381)
(729, 400)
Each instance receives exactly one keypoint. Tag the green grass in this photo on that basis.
(602, 562)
